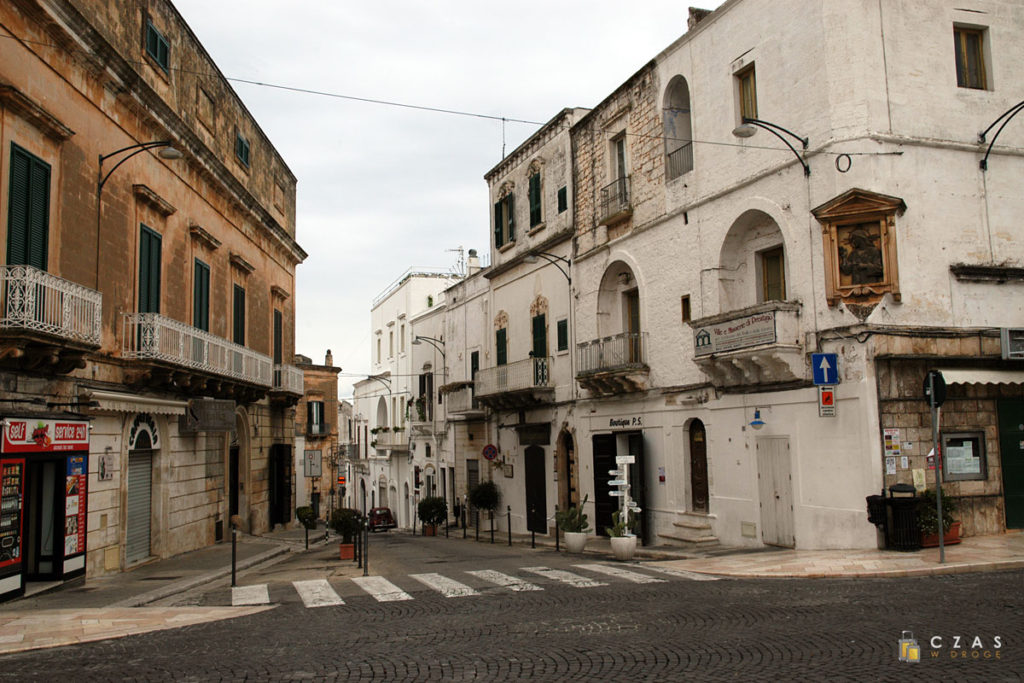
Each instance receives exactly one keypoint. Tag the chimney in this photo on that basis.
(329, 359)
(472, 263)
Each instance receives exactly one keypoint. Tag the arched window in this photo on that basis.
(678, 129)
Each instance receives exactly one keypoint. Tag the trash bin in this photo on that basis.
(904, 533)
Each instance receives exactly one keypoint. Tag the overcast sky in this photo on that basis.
(380, 188)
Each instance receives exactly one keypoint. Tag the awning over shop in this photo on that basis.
(979, 376)
(117, 402)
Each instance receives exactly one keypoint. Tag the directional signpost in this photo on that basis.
(620, 485)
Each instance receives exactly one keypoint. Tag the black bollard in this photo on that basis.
(510, 525)
(556, 528)
(492, 526)
(307, 536)
(476, 517)
(366, 550)
(234, 550)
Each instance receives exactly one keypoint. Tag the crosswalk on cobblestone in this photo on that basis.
(320, 592)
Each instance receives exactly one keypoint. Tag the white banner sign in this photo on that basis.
(738, 333)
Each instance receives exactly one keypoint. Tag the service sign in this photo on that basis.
(32, 435)
(740, 333)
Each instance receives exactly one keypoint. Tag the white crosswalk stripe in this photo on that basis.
(449, 588)
(250, 595)
(681, 573)
(317, 593)
(562, 576)
(381, 589)
(619, 573)
(504, 580)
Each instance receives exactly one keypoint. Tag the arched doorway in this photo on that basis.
(698, 467)
(140, 500)
(238, 459)
(752, 262)
(568, 489)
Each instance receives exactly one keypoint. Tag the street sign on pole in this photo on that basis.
(825, 367)
(617, 493)
(625, 459)
(617, 482)
(616, 473)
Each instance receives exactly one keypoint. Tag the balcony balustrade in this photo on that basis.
(318, 430)
(614, 364)
(462, 401)
(288, 380)
(680, 161)
(189, 355)
(396, 440)
(615, 201)
(515, 385)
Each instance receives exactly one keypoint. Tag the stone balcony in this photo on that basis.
(395, 440)
(288, 384)
(180, 357)
(613, 365)
(751, 347)
(47, 322)
(516, 385)
(461, 402)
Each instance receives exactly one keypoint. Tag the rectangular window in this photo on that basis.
(963, 456)
(378, 349)
(773, 275)
(201, 297)
(563, 200)
(619, 157)
(970, 57)
(315, 417)
(242, 149)
(157, 47)
(563, 335)
(535, 208)
(540, 336)
(149, 270)
(239, 316)
(401, 339)
(685, 305)
(278, 337)
(504, 221)
(501, 347)
(474, 364)
(748, 93)
(391, 344)
(28, 211)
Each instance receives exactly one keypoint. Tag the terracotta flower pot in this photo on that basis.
(347, 551)
(951, 537)
(429, 530)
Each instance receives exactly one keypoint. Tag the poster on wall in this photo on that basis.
(24, 435)
(74, 506)
(891, 439)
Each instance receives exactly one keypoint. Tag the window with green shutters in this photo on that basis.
(563, 199)
(563, 335)
(504, 221)
(278, 336)
(239, 316)
(149, 270)
(157, 47)
(540, 336)
(201, 297)
(501, 346)
(535, 208)
(28, 213)
(242, 148)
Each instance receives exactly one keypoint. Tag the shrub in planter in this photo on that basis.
(306, 516)
(573, 519)
(928, 514)
(347, 523)
(621, 527)
(433, 510)
(485, 496)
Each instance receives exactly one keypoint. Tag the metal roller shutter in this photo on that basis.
(140, 477)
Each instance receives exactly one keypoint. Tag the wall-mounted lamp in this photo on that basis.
(750, 126)
(757, 422)
(1005, 118)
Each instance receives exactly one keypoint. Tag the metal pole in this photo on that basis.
(359, 546)
(366, 549)
(476, 517)
(307, 535)
(556, 529)
(509, 514)
(938, 465)
(492, 526)
(234, 550)
(446, 521)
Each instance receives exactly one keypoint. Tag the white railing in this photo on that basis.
(36, 300)
(620, 351)
(288, 378)
(152, 336)
(524, 374)
(391, 439)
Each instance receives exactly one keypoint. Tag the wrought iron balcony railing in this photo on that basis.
(680, 161)
(317, 429)
(288, 379)
(151, 336)
(37, 301)
(618, 352)
(615, 198)
(531, 373)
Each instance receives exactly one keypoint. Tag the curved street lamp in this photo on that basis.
(1005, 117)
(750, 126)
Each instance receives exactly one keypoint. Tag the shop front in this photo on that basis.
(44, 465)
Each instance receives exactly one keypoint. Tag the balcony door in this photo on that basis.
(28, 217)
(149, 270)
(631, 301)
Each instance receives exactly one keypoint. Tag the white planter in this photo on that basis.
(574, 541)
(623, 547)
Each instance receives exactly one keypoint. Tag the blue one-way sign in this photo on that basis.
(825, 367)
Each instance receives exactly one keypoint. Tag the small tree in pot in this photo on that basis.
(347, 523)
(486, 496)
(573, 522)
(307, 518)
(433, 510)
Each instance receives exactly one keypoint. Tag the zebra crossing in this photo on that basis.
(320, 593)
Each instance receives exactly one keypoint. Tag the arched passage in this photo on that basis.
(752, 262)
(678, 129)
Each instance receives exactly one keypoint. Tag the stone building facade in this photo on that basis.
(149, 282)
(318, 435)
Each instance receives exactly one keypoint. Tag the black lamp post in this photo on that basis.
(750, 126)
(1005, 117)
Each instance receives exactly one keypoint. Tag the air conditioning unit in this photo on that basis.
(1012, 339)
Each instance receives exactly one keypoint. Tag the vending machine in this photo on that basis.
(44, 467)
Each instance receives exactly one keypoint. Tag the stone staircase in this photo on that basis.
(692, 530)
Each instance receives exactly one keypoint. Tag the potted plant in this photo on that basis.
(421, 408)
(307, 518)
(347, 523)
(573, 521)
(485, 496)
(928, 520)
(433, 510)
(623, 535)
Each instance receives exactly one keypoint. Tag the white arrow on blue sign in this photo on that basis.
(616, 494)
(825, 367)
(617, 482)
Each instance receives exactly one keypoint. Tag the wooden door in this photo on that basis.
(698, 467)
(1011, 452)
(775, 487)
(536, 493)
(604, 503)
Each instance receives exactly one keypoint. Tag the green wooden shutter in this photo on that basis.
(28, 222)
(500, 346)
(498, 232)
(535, 213)
(540, 336)
(149, 270)
(278, 335)
(563, 199)
(201, 297)
(239, 316)
(511, 210)
(563, 335)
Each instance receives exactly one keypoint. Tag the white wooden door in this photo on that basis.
(775, 488)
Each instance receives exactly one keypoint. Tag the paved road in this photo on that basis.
(613, 628)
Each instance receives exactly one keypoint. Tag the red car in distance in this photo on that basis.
(381, 518)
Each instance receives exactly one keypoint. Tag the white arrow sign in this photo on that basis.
(824, 366)
(616, 494)
(625, 459)
(618, 482)
(633, 506)
(616, 473)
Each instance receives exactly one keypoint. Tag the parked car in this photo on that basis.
(381, 518)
